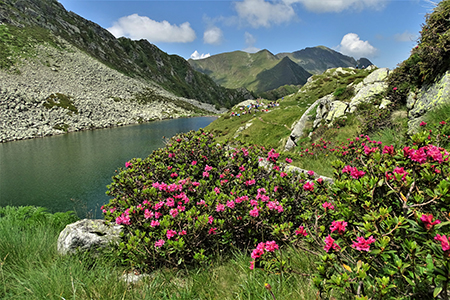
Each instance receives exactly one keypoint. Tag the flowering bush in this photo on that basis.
(382, 229)
(195, 198)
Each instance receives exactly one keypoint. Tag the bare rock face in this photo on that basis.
(87, 235)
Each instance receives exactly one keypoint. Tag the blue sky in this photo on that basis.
(382, 30)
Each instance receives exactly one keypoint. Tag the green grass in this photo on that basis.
(31, 268)
(17, 43)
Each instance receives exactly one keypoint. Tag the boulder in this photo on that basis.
(372, 85)
(87, 235)
(428, 97)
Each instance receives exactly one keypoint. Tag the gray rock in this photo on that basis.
(87, 235)
(428, 98)
(298, 127)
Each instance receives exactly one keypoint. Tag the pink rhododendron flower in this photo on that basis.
(388, 150)
(230, 204)
(339, 226)
(328, 205)
(220, 207)
(171, 155)
(159, 243)
(250, 182)
(254, 212)
(193, 163)
(319, 180)
(173, 212)
(276, 168)
(196, 184)
(310, 173)
(154, 223)
(128, 164)
(217, 190)
(258, 251)
(362, 244)
(205, 174)
(428, 221)
(368, 150)
(422, 123)
(173, 175)
(301, 230)
(272, 155)
(170, 202)
(271, 246)
(170, 233)
(148, 214)
(353, 172)
(330, 244)
(442, 122)
(157, 215)
(182, 232)
(242, 168)
(288, 160)
(252, 265)
(210, 219)
(309, 186)
(169, 168)
(201, 202)
(208, 168)
(212, 230)
(283, 174)
(444, 242)
(253, 202)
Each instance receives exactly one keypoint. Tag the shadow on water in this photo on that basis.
(71, 171)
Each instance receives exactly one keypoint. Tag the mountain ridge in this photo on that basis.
(138, 59)
(239, 68)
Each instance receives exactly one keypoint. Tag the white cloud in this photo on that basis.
(213, 36)
(250, 41)
(140, 27)
(197, 55)
(405, 37)
(322, 6)
(353, 46)
(259, 13)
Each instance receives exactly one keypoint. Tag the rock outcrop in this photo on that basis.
(87, 235)
(427, 98)
(328, 108)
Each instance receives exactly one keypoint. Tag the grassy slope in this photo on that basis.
(236, 69)
(30, 268)
(272, 128)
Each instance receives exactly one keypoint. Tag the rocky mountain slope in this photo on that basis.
(62, 73)
(139, 59)
(264, 71)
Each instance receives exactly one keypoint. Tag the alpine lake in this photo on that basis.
(71, 171)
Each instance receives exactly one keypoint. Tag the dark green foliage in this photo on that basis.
(344, 93)
(428, 60)
(60, 100)
(280, 92)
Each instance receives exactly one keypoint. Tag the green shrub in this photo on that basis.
(381, 230)
(428, 60)
(195, 199)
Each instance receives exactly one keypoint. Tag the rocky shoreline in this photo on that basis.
(100, 97)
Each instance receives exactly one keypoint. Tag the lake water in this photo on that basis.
(71, 171)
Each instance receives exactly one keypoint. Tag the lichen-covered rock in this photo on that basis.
(298, 127)
(372, 85)
(337, 110)
(87, 235)
(431, 96)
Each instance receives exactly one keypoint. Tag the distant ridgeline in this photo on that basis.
(264, 71)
